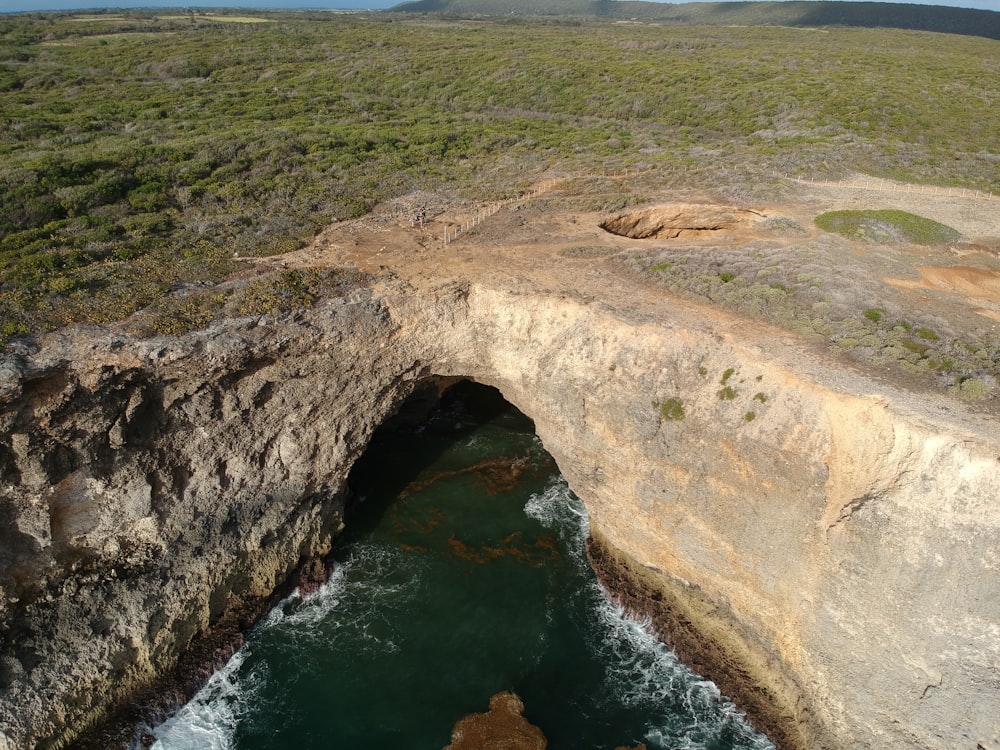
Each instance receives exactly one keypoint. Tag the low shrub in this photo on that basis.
(886, 226)
(671, 409)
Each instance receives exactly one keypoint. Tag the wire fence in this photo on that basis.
(887, 186)
(491, 209)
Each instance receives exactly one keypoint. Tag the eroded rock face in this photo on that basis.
(156, 492)
(839, 547)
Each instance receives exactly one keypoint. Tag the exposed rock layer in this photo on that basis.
(838, 549)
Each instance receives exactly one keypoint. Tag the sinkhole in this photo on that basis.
(679, 220)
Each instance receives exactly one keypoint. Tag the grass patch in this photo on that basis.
(886, 226)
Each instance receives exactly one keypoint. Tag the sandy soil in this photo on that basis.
(530, 235)
(524, 245)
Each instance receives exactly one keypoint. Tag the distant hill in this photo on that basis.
(965, 21)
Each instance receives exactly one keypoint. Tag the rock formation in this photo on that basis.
(503, 727)
(826, 547)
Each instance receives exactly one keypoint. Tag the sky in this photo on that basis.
(9, 6)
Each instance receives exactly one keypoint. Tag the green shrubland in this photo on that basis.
(142, 153)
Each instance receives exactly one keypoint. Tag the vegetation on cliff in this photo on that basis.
(811, 290)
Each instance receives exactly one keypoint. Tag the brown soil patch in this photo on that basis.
(679, 220)
(981, 287)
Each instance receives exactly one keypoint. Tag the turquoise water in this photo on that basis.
(462, 574)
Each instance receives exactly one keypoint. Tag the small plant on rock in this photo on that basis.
(672, 409)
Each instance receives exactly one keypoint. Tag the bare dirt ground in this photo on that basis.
(543, 244)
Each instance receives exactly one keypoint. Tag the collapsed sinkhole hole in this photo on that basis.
(679, 220)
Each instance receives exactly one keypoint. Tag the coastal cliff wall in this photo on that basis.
(829, 551)
(825, 551)
(154, 494)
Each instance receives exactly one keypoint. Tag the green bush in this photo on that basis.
(971, 389)
(874, 314)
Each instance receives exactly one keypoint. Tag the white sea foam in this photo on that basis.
(557, 508)
(640, 669)
(349, 605)
(209, 720)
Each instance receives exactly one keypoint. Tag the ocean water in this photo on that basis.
(462, 574)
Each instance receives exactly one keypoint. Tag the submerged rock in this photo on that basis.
(503, 727)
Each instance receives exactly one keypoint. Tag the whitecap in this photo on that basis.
(209, 720)
(642, 670)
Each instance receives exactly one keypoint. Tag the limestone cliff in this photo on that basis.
(832, 541)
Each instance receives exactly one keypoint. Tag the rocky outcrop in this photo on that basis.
(155, 492)
(503, 727)
(835, 540)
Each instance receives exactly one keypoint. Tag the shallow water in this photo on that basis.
(462, 574)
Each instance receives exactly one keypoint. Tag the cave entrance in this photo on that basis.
(461, 575)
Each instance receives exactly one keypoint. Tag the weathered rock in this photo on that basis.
(839, 549)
